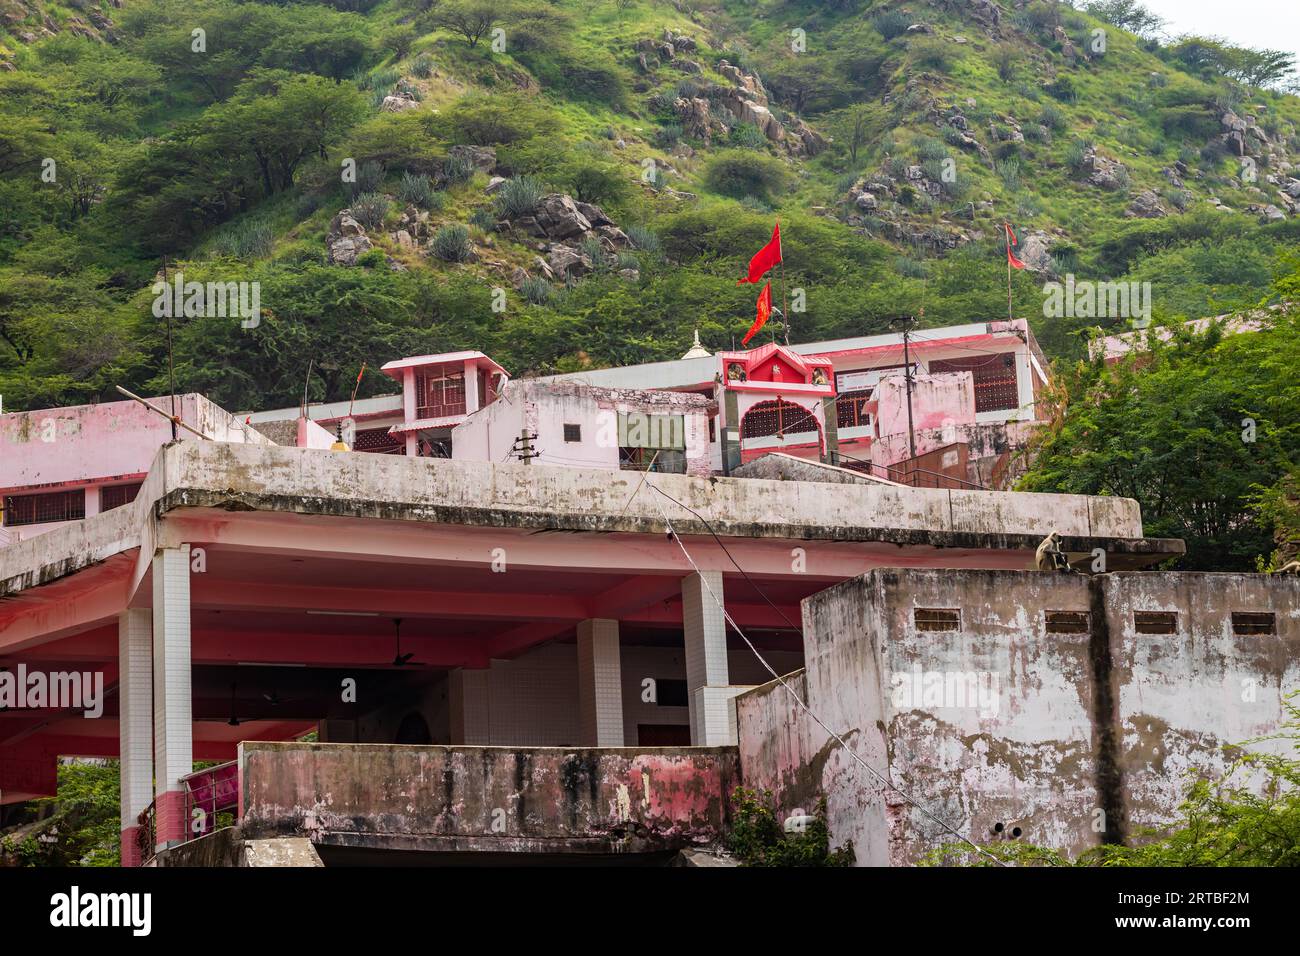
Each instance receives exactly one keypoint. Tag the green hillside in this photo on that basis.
(579, 182)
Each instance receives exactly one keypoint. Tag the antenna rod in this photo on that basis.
(174, 419)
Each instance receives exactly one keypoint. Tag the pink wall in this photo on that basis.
(938, 401)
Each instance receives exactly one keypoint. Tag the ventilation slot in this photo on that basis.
(1155, 622)
(937, 619)
(1066, 622)
(1251, 623)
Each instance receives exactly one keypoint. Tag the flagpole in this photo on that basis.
(1006, 238)
(785, 301)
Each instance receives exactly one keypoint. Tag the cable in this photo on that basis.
(768, 667)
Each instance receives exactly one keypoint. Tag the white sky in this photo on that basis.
(1272, 24)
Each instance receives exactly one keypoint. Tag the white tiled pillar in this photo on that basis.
(600, 684)
(173, 739)
(135, 724)
(707, 681)
(468, 701)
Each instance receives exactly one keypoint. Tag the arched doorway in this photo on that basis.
(413, 730)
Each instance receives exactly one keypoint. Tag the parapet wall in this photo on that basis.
(487, 798)
(1075, 736)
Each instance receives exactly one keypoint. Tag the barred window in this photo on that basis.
(995, 379)
(778, 418)
(47, 507)
(115, 496)
(849, 408)
(440, 391)
(377, 441)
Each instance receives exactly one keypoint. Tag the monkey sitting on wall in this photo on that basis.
(1050, 557)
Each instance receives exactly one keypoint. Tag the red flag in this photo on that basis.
(766, 257)
(764, 310)
(1012, 244)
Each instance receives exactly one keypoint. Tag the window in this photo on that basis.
(1246, 623)
(114, 496)
(1155, 622)
(377, 441)
(849, 408)
(937, 619)
(572, 433)
(778, 418)
(39, 509)
(1066, 622)
(440, 391)
(995, 379)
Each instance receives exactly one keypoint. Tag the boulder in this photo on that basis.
(1146, 205)
(482, 158)
(594, 214)
(344, 250)
(494, 184)
(398, 102)
(565, 262)
(559, 217)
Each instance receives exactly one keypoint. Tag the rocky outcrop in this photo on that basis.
(482, 158)
(1146, 205)
(346, 240)
(1103, 172)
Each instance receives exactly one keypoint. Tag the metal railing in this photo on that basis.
(912, 477)
(209, 794)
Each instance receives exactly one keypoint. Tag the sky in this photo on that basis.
(1272, 24)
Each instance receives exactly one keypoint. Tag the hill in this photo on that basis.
(579, 182)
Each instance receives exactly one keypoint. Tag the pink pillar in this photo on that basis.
(173, 707)
(135, 724)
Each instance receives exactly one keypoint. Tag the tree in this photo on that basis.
(472, 19)
(1128, 15)
(1191, 430)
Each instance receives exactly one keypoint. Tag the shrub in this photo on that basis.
(1008, 171)
(451, 243)
(1075, 154)
(911, 268)
(535, 289)
(668, 135)
(1052, 117)
(1062, 89)
(484, 218)
(457, 169)
(932, 54)
(518, 197)
(596, 183)
(891, 24)
(1006, 57)
(747, 136)
(422, 66)
(929, 148)
(756, 839)
(1178, 198)
(416, 189)
(739, 174)
(246, 239)
(369, 209)
(628, 260)
(644, 238)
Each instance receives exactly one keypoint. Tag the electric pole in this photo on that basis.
(909, 324)
(523, 447)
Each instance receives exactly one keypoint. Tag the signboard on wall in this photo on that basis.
(868, 377)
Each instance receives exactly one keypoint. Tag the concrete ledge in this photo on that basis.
(503, 799)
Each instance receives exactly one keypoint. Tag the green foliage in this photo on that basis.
(739, 174)
(451, 243)
(81, 825)
(1169, 430)
(369, 209)
(756, 839)
(518, 197)
(535, 289)
(416, 190)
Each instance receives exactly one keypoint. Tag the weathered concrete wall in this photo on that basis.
(1074, 738)
(487, 798)
(939, 401)
(778, 466)
(228, 848)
